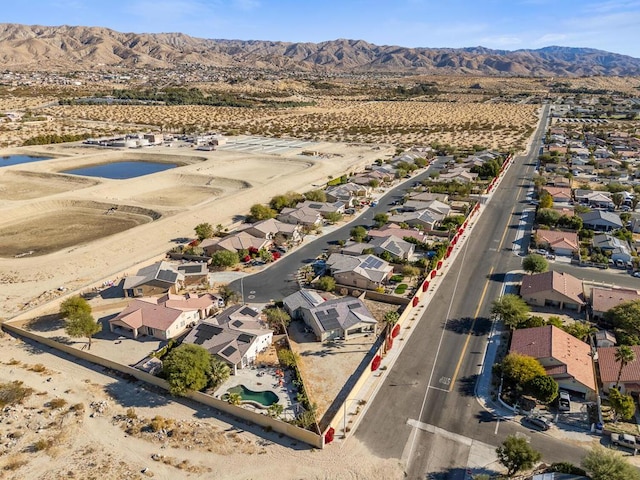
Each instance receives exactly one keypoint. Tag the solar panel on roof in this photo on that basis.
(190, 268)
(206, 332)
(167, 276)
(315, 206)
(248, 311)
(245, 338)
(237, 324)
(351, 306)
(230, 350)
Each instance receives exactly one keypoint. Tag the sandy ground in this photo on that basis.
(102, 428)
(212, 187)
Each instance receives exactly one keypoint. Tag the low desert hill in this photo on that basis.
(71, 47)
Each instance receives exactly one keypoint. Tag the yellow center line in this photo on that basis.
(480, 303)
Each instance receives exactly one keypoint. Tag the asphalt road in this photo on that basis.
(425, 413)
(278, 280)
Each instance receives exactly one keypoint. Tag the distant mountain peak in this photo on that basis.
(80, 47)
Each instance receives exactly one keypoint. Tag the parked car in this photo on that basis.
(636, 274)
(625, 440)
(564, 401)
(542, 251)
(537, 422)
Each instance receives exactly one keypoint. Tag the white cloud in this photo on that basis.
(501, 41)
(612, 5)
(551, 39)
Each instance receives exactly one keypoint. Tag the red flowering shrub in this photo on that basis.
(395, 332)
(276, 255)
(389, 343)
(246, 258)
(328, 437)
(253, 250)
(375, 364)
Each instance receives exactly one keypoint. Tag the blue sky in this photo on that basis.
(607, 25)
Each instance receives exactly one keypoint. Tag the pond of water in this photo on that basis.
(122, 170)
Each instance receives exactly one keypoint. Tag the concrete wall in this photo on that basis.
(263, 420)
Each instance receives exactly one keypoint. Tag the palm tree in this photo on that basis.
(624, 355)
(234, 398)
(220, 372)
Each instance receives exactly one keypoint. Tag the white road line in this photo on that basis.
(441, 432)
(495, 432)
(435, 360)
(441, 389)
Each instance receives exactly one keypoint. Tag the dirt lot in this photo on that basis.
(16, 185)
(54, 230)
(81, 422)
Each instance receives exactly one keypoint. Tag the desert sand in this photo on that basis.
(73, 217)
(82, 423)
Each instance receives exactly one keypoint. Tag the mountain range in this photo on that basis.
(33, 47)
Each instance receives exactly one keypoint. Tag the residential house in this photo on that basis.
(235, 242)
(236, 336)
(560, 243)
(593, 199)
(355, 248)
(458, 175)
(163, 318)
(303, 298)
(604, 299)
(300, 216)
(565, 358)
(323, 207)
(609, 369)
(619, 249)
(435, 206)
(559, 194)
(428, 196)
(600, 220)
(398, 232)
(349, 193)
(271, 229)
(425, 219)
(341, 318)
(553, 289)
(161, 277)
(366, 271)
(194, 272)
(395, 246)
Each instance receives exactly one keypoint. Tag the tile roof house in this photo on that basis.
(163, 318)
(271, 227)
(604, 299)
(565, 358)
(234, 242)
(339, 318)
(560, 243)
(161, 277)
(364, 271)
(428, 196)
(458, 175)
(600, 220)
(398, 232)
(435, 206)
(323, 207)
(300, 216)
(609, 369)
(349, 193)
(553, 289)
(303, 298)
(426, 219)
(236, 336)
(393, 245)
(559, 194)
(194, 272)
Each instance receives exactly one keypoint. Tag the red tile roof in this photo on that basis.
(550, 341)
(604, 299)
(557, 239)
(609, 368)
(562, 283)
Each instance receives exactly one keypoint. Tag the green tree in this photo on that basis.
(547, 216)
(623, 405)
(234, 398)
(288, 358)
(265, 255)
(187, 367)
(275, 410)
(543, 388)
(607, 464)
(374, 183)
(516, 454)
(358, 234)
(333, 217)
(624, 356)
(535, 263)
(204, 230)
(224, 258)
(511, 309)
(261, 212)
(391, 318)
(534, 321)
(277, 319)
(625, 317)
(326, 283)
(228, 294)
(555, 321)
(380, 219)
(546, 200)
(82, 325)
(580, 330)
(411, 272)
(220, 372)
(521, 369)
(316, 196)
(617, 199)
(73, 307)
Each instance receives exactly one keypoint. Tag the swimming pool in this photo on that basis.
(266, 398)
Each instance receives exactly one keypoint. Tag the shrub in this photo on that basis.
(131, 413)
(42, 444)
(13, 392)
(57, 403)
(328, 437)
(375, 364)
(395, 332)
